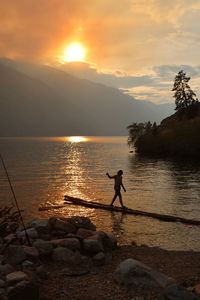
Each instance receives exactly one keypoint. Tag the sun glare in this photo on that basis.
(74, 52)
(77, 139)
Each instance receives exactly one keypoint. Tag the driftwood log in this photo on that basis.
(97, 205)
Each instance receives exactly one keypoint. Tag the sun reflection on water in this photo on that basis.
(77, 139)
(74, 170)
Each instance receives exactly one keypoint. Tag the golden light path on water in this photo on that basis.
(78, 179)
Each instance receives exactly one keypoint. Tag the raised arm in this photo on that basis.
(109, 176)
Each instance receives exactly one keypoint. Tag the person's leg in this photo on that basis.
(114, 198)
(120, 199)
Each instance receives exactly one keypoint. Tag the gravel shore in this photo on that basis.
(98, 284)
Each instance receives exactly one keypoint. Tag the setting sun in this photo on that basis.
(74, 52)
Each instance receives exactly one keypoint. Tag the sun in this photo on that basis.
(74, 52)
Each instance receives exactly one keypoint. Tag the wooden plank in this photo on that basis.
(162, 217)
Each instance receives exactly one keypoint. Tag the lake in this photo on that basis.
(43, 170)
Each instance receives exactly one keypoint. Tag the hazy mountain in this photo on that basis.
(41, 100)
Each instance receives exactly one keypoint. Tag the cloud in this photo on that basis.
(129, 35)
(135, 45)
(155, 87)
(34, 29)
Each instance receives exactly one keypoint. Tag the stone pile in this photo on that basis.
(70, 242)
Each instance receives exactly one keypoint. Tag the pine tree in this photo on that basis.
(184, 95)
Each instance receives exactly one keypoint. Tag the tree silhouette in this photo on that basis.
(136, 130)
(184, 95)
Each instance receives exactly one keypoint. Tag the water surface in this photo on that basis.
(43, 170)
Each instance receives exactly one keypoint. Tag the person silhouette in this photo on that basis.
(117, 187)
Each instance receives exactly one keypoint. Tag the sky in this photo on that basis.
(135, 45)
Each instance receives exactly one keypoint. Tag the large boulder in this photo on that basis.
(133, 273)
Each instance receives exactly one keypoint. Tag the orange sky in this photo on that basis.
(130, 36)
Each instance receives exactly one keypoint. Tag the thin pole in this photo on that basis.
(16, 203)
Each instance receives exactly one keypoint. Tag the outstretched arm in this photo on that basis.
(109, 176)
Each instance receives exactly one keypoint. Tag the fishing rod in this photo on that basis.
(16, 203)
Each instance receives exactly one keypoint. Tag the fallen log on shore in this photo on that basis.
(161, 217)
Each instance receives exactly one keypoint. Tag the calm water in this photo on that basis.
(43, 170)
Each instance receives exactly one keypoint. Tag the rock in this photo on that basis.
(15, 255)
(196, 288)
(92, 245)
(58, 234)
(57, 242)
(43, 247)
(15, 277)
(12, 226)
(83, 222)
(99, 259)
(84, 233)
(109, 241)
(3, 295)
(71, 243)
(10, 238)
(2, 284)
(176, 292)
(24, 291)
(42, 273)
(133, 273)
(64, 226)
(6, 269)
(41, 226)
(26, 265)
(1, 259)
(31, 252)
(31, 232)
(51, 222)
(66, 255)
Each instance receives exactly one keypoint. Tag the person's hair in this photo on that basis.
(120, 172)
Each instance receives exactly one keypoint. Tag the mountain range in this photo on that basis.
(40, 100)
